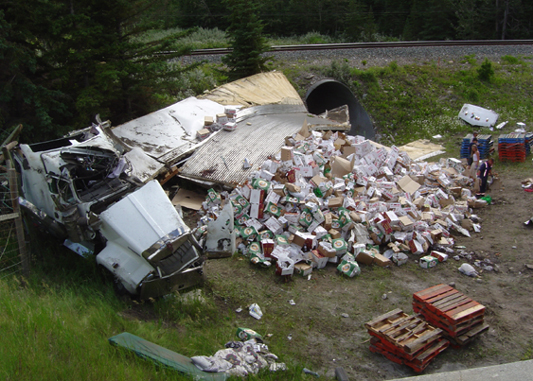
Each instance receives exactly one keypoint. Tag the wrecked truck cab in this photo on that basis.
(82, 189)
(149, 247)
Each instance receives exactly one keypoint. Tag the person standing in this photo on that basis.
(475, 162)
(485, 170)
(470, 147)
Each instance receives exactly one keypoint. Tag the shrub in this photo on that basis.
(472, 95)
(485, 72)
(510, 60)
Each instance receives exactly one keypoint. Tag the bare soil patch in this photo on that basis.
(325, 327)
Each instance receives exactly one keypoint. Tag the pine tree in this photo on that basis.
(246, 39)
(82, 58)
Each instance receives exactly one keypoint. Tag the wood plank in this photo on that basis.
(453, 304)
(452, 309)
(399, 325)
(472, 334)
(457, 298)
(465, 311)
(423, 340)
(451, 330)
(10, 216)
(430, 353)
(441, 296)
(414, 331)
(385, 316)
(387, 327)
(431, 291)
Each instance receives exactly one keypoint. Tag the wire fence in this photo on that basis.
(13, 256)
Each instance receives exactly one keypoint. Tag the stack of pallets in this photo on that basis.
(405, 339)
(529, 142)
(461, 318)
(513, 147)
(484, 144)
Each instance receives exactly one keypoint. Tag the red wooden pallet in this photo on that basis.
(409, 333)
(471, 334)
(450, 330)
(418, 363)
(449, 303)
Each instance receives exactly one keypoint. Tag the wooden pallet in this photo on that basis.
(450, 304)
(450, 330)
(460, 317)
(472, 333)
(410, 334)
(417, 363)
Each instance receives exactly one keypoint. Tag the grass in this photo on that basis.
(215, 38)
(55, 324)
(414, 102)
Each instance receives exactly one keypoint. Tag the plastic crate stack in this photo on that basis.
(512, 147)
(461, 318)
(406, 339)
(529, 142)
(484, 144)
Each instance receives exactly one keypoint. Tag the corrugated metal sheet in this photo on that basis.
(259, 89)
(170, 133)
(260, 134)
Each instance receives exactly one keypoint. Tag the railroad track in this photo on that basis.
(371, 45)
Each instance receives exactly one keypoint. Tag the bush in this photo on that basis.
(510, 60)
(339, 71)
(472, 95)
(485, 72)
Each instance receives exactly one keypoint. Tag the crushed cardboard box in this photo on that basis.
(327, 195)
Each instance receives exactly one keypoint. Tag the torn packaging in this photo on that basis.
(284, 266)
(349, 268)
(319, 261)
(408, 185)
(303, 269)
(365, 257)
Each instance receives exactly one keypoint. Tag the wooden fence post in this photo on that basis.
(19, 226)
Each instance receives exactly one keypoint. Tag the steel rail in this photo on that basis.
(370, 45)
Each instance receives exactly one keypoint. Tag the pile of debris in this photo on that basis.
(331, 198)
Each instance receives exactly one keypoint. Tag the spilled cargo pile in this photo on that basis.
(332, 199)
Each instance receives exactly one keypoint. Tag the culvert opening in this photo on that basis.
(329, 94)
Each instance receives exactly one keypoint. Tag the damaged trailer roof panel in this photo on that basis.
(478, 116)
(169, 134)
(260, 133)
(256, 90)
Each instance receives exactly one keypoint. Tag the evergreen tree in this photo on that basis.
(27, 94)
(81, 58)
(360, 24)
(246, 39)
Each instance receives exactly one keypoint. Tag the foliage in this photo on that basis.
(369, 20)
(246, 39)
(64, 63)
(511, 60)
(199, 38)
(485, 72)
(419, 101)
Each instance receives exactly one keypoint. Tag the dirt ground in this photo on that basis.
(324, 329)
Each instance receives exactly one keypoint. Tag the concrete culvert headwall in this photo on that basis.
(329, 94)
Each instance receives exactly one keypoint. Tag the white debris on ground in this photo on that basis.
(331, 199)
(240, 359)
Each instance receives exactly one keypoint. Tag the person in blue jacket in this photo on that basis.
(484, 171)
